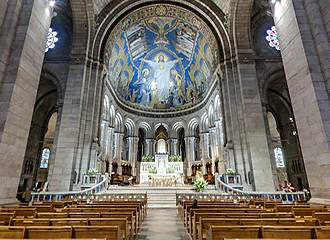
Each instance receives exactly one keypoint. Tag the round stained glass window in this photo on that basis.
(51, 39)
(273, 38)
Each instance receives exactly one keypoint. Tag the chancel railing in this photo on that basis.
(230, 192)
(50, 196)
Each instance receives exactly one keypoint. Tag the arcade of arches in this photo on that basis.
(208, 85)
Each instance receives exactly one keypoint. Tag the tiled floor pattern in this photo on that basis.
(162, 224)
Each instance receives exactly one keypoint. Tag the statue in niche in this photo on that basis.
(162, 76)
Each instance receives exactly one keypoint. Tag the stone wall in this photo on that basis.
(306, 72)
(25, 29)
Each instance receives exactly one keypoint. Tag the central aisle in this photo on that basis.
(162, 224)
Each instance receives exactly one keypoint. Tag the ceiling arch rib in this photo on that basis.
(99, 5)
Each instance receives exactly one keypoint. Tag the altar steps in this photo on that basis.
(158, 197)
(161, 199)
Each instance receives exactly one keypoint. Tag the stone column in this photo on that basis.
(251, 128)
(190, 153)
(149, 146)
(204, 138)
(214, 146)
(169, 147)
(220, 140)
(132, 148)
(119, 151)
(23, 35)
(174, 146)
(58, 108)
(307, 82)
(110, 144)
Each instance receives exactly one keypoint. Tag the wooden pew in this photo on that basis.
(5, 218)
(323, 232)
(42, 232)
(29, 222)
(322, 216)
(121, 222)
(197, 215)
(53, 232)
(204, 224)
(221, 232)
(52, 215)
(302, 212)
(230, 211)
(293, 232)
(109, 232)
(12, 232)
(23, 212)
(128, 215)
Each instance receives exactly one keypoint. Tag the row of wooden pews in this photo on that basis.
(103, 219)
(221, 219)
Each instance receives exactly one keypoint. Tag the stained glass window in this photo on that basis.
(44, 158)
(273, 38)
(51, 39)
(279, 157)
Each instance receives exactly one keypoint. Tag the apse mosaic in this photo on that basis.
(161, 57)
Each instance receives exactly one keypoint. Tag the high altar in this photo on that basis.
(161, 172)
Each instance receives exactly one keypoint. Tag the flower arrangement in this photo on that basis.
(92, 171)
(230, 171)
(174, 158)
(148, 158)
(153, 170)
(200, 185)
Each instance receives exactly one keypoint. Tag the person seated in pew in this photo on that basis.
(194, 205)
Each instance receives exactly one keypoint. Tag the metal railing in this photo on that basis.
(53, 196)
(278, 195)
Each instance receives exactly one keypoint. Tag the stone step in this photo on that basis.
(161, 206)
(161, 199)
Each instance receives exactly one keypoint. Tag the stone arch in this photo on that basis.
(112, 115)
(212, 15)
(146, 128)
(106, 108)
(176, 128)
(241, 18)
(119, 122)
(205, 122)
(192, 126)
(161, 124)
(217, 107)
(211, 115)
(130, 125)
(82, 17)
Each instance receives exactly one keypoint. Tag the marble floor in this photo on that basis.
(162, 224)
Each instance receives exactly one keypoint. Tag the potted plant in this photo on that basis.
(92, 175)
(174, 158)
(230, 171)
(147, 158)
(153, 170)
(200, 185)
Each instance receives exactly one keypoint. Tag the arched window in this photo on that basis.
(278, 152)
(44, 158)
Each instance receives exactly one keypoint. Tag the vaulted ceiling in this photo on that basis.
(224, 5)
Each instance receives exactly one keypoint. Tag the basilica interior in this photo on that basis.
(157, 94)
